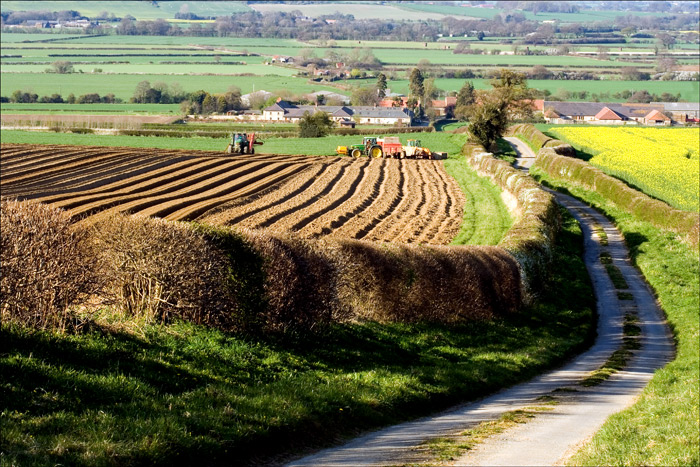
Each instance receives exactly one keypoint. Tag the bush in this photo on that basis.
(440, 284)
(557, 159)
(315, 125)
(651, 210)
(299, 283)
(164, 270)
(48, 265)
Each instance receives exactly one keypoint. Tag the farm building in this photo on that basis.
(283, 111)
(443, 106)
(599, 112)
(682, 112)
(656, 118)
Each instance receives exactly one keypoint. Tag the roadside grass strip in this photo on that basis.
(446, 449)
(662, 427)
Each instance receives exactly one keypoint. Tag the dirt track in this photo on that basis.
(383, 200)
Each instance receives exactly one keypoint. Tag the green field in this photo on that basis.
(138, 9)
(360, 10)
(95, 109)
(689, 90)
(317, 146)
(584, 16)
(123, 85)
(161, 69)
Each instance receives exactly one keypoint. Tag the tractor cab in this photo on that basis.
(369, 141)
(414, 143)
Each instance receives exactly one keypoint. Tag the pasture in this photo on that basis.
(94, 109)
(123, 86)
(140, 10)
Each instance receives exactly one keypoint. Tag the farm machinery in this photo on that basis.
(242, 143)
(391, 147)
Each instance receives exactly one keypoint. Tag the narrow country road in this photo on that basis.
(552, 436)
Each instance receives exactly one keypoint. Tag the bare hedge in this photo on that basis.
(47, 264)
(556, 159)
(531, 238)
(164, 270)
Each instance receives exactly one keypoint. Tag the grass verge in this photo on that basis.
(182, 393)
(486, 218)
(662, 427)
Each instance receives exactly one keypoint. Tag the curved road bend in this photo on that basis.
(551, 437)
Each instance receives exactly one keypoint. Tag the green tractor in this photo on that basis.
(369, 147)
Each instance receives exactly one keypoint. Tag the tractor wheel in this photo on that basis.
(356, 153)
(376, 152)
(252, 150)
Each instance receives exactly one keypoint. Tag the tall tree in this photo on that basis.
(488, 120)
(415, 84)
(509, 99)
(465, 99)
(381, 85)
(511, 88)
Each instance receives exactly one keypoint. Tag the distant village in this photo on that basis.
(394, 111)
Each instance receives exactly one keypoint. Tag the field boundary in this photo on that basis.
(556, 158)
(531, 238)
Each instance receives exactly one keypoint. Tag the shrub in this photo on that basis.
(657, 212)
(299, 283)
(440, 284)
(164, 270)
(48, 265)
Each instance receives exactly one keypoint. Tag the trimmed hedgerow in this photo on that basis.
(556, 158)
(48, 265)
(531, 238)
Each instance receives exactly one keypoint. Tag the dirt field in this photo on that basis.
(405, 201)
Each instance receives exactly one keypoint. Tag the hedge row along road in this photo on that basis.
(555, 434)
(408, 201)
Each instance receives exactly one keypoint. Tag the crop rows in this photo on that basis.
(381, 200)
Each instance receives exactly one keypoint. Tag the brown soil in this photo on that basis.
(411, 201)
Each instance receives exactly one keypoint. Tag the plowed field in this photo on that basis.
(382, 200)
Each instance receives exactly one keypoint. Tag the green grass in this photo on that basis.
(159, 69)
(486, 218)
(184, 394)
(583, 16)
(689, 90)
(106, 109)
(123, 86)
(662, 427)
(139, 9)
(440, 142)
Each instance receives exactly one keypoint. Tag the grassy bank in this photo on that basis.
(130, 393)
(486, 218)
(662, 427)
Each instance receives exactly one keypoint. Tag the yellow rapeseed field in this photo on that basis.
(662, 162)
